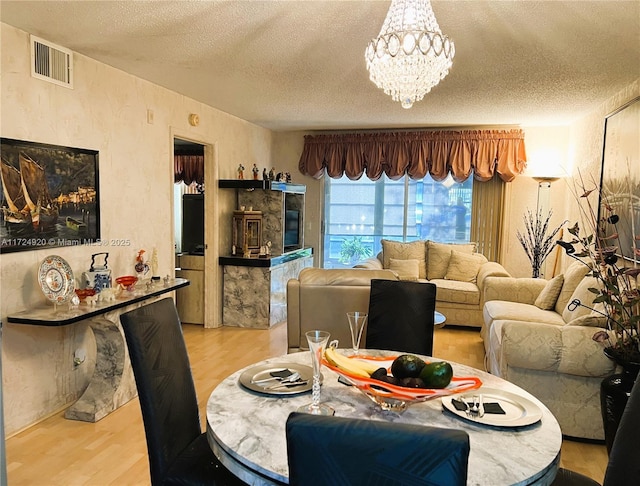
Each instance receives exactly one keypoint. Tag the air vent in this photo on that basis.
(51, 62)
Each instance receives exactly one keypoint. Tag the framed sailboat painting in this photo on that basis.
(50, 196)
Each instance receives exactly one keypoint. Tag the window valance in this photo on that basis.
(461, 153)
(188, 168)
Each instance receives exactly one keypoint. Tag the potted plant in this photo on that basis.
(616, 296)
(352, 251)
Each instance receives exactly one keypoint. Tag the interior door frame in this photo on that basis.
(212, 299)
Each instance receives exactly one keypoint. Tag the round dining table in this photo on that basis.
(246, 428)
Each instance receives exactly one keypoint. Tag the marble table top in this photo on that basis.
(246, 430)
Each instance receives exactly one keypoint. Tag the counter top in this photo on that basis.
(48, 315)
(272, 261)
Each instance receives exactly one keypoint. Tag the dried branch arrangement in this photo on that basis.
(535, 242)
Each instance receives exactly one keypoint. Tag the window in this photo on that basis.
(358, 214)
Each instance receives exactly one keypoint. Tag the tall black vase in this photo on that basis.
(614, 393)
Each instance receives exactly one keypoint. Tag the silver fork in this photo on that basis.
(473, 406)
(289, 380)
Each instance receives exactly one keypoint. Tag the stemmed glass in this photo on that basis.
(357, 321)
(317, 343)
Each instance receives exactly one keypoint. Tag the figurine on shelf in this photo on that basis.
(272, 174)
(287, 177)
(265, 176)
(255, 171)
(241, 172)
(279, 177)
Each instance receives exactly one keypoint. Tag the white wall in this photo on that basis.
(106, 111)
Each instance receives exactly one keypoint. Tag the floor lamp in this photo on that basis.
(544, 194)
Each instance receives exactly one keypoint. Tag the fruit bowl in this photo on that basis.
(397, 398)
(128, 281)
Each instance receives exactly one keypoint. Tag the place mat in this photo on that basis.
(518, 410)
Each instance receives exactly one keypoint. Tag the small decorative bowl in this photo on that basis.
(84, 293)
(397, 398)
(128, 281)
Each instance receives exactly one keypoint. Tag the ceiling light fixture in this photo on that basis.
(411, 54)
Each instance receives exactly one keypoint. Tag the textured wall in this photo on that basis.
(106, 111)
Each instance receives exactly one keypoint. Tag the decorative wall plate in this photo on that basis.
(56, 279)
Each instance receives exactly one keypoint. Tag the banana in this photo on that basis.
(354, 366)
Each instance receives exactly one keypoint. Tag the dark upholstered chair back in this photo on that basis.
(401, 316)
(338, 451)
(623, 468)
(624, 461)
(178, 450)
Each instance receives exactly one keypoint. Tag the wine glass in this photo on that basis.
(317, 342)
(357, 321)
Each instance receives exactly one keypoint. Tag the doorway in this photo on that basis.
(189, 228)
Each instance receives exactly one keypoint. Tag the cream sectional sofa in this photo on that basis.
(321, 297)
(534, 338)
(458, 272)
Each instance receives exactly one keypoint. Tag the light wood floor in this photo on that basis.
(113, 451)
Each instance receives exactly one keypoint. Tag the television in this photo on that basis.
(291, 229)
(193, 224)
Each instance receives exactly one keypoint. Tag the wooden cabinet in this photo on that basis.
(190, 300)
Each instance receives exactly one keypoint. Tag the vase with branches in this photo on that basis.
(617, 293)
(537, 244)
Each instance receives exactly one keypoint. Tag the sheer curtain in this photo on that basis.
(487, 210)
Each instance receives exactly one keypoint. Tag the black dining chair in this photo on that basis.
(339, 451)
(179, 453)
(623, 468)
(401, 316)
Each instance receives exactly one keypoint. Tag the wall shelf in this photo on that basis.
(261, 184)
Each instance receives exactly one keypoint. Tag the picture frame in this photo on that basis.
(620, 176)
(50, 196)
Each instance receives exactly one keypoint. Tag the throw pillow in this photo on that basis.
(398, 250)
(590, 320)
(406, 269)
(464, 267)
(549, 295)
(573, 275)
(439, 254)
(585, 296)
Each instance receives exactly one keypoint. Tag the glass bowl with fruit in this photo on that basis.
(395, 382)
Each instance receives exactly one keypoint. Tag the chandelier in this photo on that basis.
(411, 54)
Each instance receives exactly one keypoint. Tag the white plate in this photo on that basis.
(262, 372)
(56, 279)
(519, 411)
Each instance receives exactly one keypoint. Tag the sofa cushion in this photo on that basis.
(406, 269)
(398, 250)
(464, 267)
(549, 295)
(585, 296)
(456, 292)
(516, 311)
(572, 277)
(439, 254)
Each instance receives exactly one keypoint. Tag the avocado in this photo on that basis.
(437, 374)
(407, 366)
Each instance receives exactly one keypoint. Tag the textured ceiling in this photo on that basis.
(289, 65)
